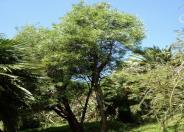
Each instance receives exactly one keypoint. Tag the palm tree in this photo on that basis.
(154, 55)
(12, 95)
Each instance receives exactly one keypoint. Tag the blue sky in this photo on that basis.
(160, 17)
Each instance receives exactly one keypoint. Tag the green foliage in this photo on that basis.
(13, 96)
(165, 86)
(96, 33)
(87, 45)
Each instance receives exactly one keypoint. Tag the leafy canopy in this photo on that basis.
(96, 35)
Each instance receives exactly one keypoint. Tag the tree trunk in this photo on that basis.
(101, 107)
(65, 111)
(72, 120)
(67, 114)
(100, 101)
(85, 106)
(163, 125)
(74, 124)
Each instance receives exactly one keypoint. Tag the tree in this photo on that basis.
(117, 98)
(92, 39)
(155, 79)
(86, 44)
(48, 64)
(13, 96)
(153, 55)
(164, 84)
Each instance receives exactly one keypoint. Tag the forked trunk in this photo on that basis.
(66, 113)
(71, 118)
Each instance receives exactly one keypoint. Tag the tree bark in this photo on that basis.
(72, 120)
(66, 113)
(85, 106)
(101, 107)
(100, 100)
(65, 110)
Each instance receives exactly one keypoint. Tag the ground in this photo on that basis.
(114, 127)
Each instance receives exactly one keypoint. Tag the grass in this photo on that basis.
(114, 127)
(156, 128)
(88, 127)
(176, 124)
